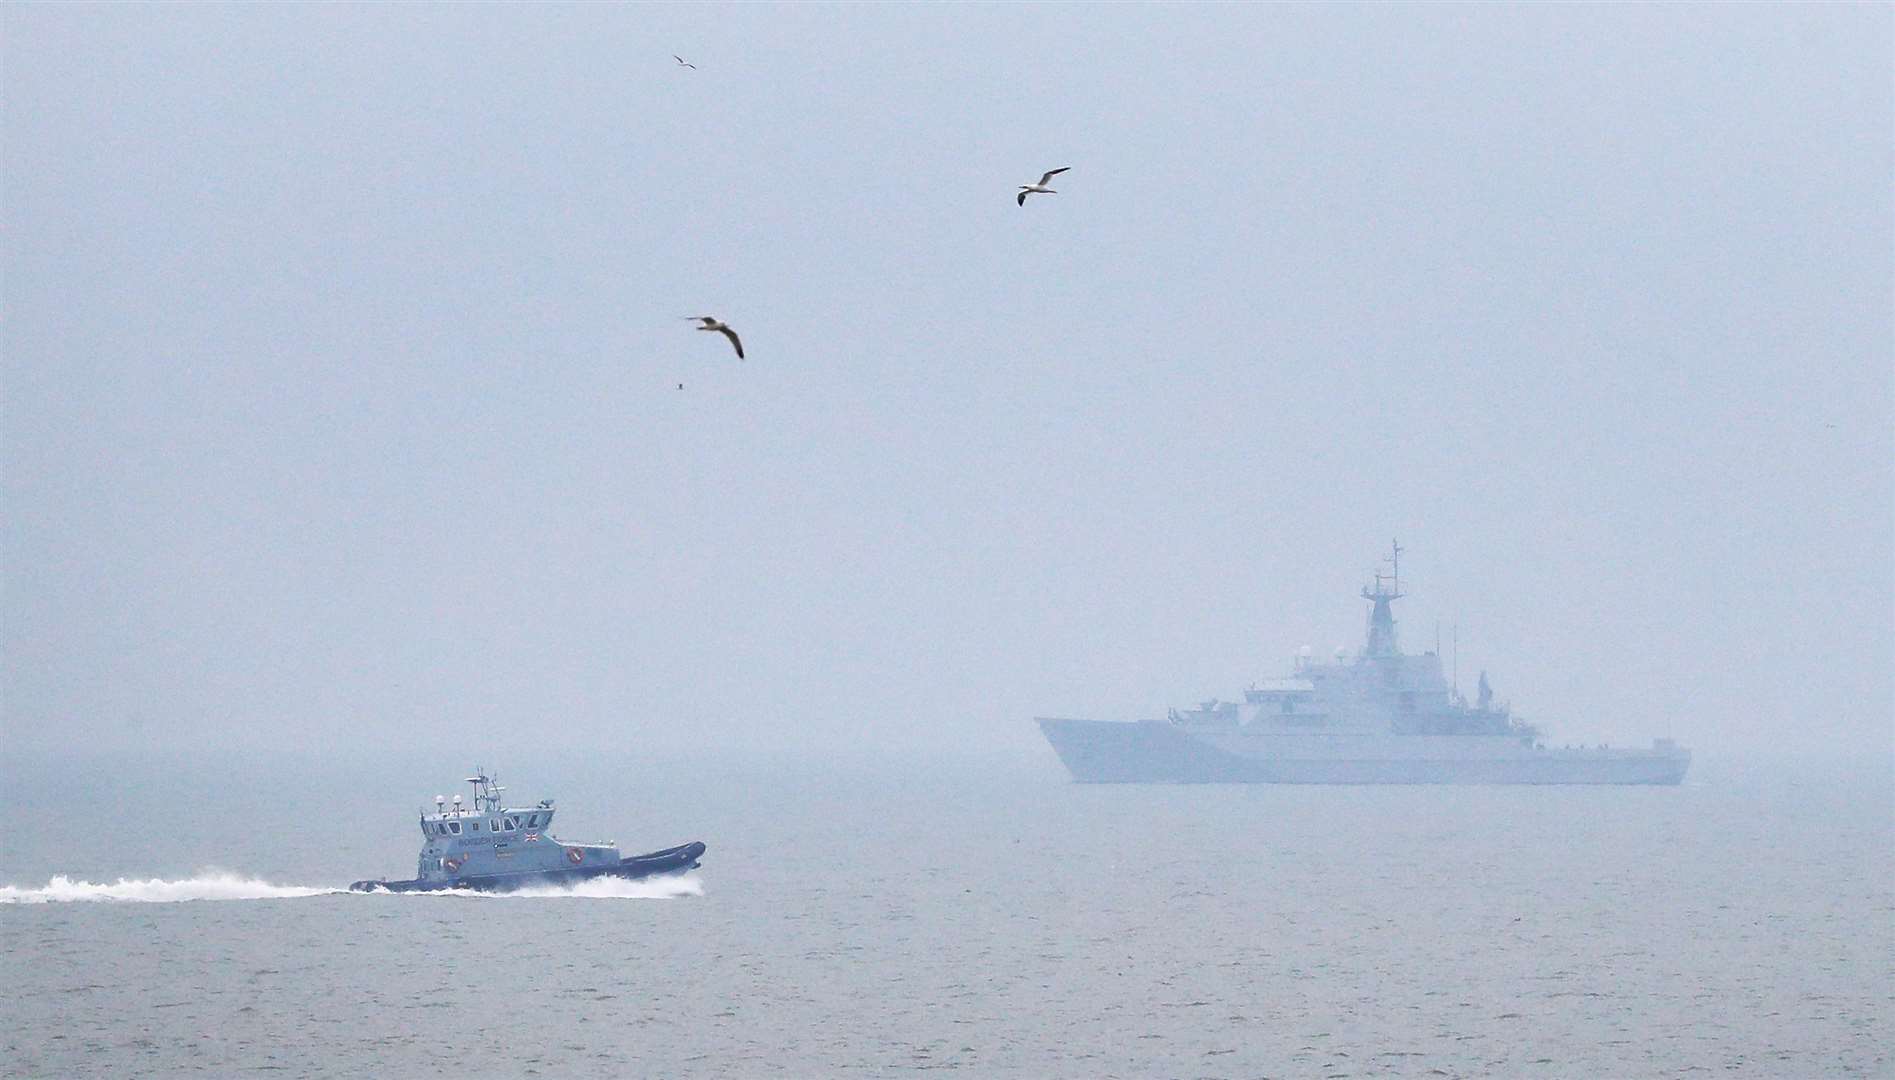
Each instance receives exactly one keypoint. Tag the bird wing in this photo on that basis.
(1052, 174)
(734, 343)
(1022, 199)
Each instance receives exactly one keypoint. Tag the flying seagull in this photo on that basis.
(681, 62)
(711, 322)
(1039, 188)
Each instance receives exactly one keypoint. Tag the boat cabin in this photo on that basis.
(489, 838)
(492, 822)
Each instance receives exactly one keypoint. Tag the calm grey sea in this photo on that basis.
(990, 918)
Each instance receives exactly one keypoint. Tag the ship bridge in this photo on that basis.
(486, 817)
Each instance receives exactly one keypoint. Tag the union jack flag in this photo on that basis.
(532, 836)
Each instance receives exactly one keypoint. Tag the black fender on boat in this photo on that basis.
(670, 860)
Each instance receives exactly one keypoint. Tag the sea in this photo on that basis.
(186, 916)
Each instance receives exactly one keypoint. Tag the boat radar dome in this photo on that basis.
(439, 799)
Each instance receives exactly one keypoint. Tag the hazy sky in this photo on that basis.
(342, 343)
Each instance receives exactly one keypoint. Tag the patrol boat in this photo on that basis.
(495, 848)
(1380, 717)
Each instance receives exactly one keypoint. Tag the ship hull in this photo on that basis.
(1147, 752)
(675, 860)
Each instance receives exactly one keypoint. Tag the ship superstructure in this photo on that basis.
(1379, 716)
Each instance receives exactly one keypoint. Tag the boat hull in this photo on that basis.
(675, 860)
(1151, 751)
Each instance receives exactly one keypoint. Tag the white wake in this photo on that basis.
(224, 885)
(210, 885)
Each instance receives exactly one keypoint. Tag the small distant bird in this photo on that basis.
(711, 322)
(681, 62)
(1039, 188)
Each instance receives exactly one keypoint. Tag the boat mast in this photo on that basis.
(486, 792)
(1457, 660)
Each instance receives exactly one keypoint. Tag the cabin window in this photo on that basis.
(512, 823)
(493, 824)
(533, 822)
(473, 826)
(454, 827)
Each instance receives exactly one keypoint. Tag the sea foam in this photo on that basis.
(209, 885)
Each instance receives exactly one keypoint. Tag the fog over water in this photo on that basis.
(343, 447)
(342, 345)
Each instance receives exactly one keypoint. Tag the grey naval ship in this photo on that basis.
(495, 848)
(1379, 717)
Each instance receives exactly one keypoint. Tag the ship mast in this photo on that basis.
(1381, 618)
(486, 791)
